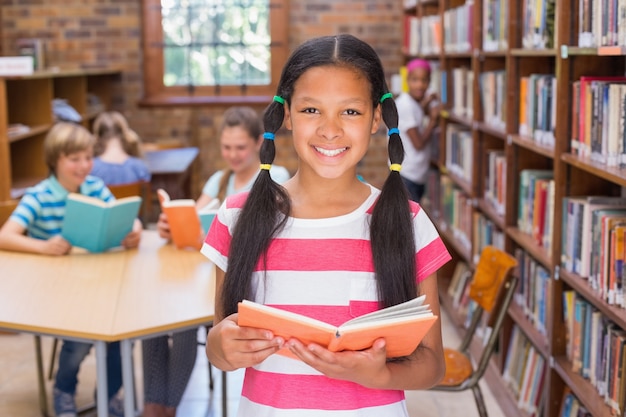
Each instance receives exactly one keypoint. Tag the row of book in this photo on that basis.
(459, 157)
(486, 233)
(571, 406)
(456, 212)
(458, 28)
(532, 290)
(596, 349)
(598, 115)
(593, 243)
(538, 24)
(537, 108)
(492, 87)
(535, 215)
(524, 372)
(495, 181)
(462, 101)
(422, 35)
(601, 23)
(495, 30)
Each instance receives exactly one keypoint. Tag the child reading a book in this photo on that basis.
(35, 226)
(325, 245)
(413, 108)
(241, 133)
(117, 151)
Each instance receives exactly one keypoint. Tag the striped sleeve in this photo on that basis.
(431, 253)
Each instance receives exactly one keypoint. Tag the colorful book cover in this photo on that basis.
(97, 226)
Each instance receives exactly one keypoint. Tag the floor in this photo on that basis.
(18, 385)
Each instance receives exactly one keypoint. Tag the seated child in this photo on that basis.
(35, 226)
(241, 137)
(117, 152)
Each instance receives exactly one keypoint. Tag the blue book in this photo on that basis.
(96, 225)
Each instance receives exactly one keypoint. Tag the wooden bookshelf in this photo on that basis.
(562, 62)
(27, 100)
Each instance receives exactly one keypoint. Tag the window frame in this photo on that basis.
(157, 94)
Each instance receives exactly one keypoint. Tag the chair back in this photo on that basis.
(492, 288)
(139, 188)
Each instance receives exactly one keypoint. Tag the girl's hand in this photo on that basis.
(231, 347)
(132, 239)
(56, 246)
(163, 227)
(365, 367)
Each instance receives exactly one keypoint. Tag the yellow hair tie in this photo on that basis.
(395, 167)
(266, 166)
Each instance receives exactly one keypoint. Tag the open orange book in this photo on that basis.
(403, 326)
(187, 225)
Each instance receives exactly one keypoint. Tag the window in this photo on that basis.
(212, 51)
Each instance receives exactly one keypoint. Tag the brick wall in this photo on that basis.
(93, 33)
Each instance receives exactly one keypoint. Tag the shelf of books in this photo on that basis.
(27, 113)
(532, 159)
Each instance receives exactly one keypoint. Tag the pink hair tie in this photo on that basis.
(418, 63)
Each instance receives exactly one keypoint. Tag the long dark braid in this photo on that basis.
(266, 209)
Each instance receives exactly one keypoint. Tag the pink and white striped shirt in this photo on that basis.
(321, 268)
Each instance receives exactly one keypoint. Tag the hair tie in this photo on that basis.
(279, 99)
(393, 130)
(266, 166)
(395, 167)
(268, 135)
(386, 96)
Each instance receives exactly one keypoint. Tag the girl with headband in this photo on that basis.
(326, 245)
(415, 129)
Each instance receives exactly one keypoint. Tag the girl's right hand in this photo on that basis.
(231, 347)
(56, 246)
(163, 227)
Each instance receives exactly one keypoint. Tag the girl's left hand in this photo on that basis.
(365, 367)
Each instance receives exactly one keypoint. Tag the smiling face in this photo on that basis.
(332, 119)
(72, 169)
(239, 150)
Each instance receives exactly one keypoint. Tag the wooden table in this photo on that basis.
(171, 170)
(122, 295)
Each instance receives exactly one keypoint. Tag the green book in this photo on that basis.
(96, 225)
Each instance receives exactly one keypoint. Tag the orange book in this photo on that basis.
(187, 225)
(403, 326)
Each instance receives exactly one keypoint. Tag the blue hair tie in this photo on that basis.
(268, 135)
(393, 130)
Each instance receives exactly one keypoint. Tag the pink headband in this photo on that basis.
(418, 63)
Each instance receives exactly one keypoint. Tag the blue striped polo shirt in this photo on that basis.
(42, 208)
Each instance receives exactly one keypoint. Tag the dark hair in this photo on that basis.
(267, 206)
(248, 119)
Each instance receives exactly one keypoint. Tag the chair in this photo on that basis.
(140, 188)
(492, 289)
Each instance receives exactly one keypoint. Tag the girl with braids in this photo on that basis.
(326, 245)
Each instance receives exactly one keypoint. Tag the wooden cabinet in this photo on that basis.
(508, 74)
(27, 100)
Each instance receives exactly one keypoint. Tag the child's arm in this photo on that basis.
(203, 200)
(13, 238)
(231, 347)
(421, 137)
(163, 227)
(132, 239)
(423, 369)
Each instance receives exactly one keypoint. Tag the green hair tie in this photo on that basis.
(386, 96)
(279, 99)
